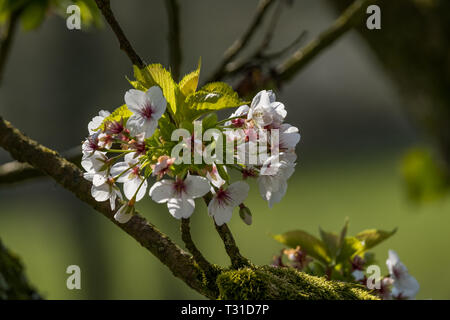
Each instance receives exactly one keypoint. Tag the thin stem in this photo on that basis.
(292, 65)
(176, 56)
(237, 260)
(192, 248)
(7, 40)
(243, 41)
(125, 45)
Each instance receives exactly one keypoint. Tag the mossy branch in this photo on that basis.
(13, 282)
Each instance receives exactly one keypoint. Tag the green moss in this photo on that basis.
(13, 283)
(270, 283)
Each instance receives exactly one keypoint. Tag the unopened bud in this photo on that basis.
(245, 214)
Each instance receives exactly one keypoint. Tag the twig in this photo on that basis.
(125, 45)
(243, 41)
(15, 171)
(70, 177)
(292, 65)
(237, 260)
(7, 39)
(176, 57)
(192, 248)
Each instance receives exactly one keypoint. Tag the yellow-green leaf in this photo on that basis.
(189, 83)
(373, 237)
(120, 113)
(307, 242)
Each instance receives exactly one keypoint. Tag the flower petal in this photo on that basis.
(238, 191)
(181, 207)
(162, 191)
(135, 124)
(196, 186)
(124, 214)
(101, 193)
(135, 100)
(220, 212)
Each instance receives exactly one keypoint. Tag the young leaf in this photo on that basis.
(349, 249)
(211, 97)
(156, 75)
(331, 241)
(189, 83)
(307, 242)
(373, 237)
(117, 115)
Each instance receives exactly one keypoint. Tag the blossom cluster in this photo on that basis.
(398, 285)
(132, 146)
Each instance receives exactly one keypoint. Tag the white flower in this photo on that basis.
(273, 180)
(214, 177)
(124, 214)
(405, 286)
(265, 111)
(239, 122)
(91, 144)
(180, 194)
(104, 191)
(289, 137)
(225, 200)
(147, 108)
(131, 179)
(96, 167)
(96, 121)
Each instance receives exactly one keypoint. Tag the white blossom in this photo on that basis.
(225, 200)
(273, 179)
(214, 177)
(180, 194)
(107, 190)
(96, 121)
(265, 111)
(404, 285)
(147, 108)
(131, 179)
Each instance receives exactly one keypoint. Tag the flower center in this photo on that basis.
(223, 197)
(147, 111)
(179, 186)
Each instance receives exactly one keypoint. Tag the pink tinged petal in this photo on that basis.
(162, 191)
(196, 186)
(124, 214)
(149, 127)
(135, 100)
(181, 207)
(101, 193)
(156, 98)
(238, 192)
(221, 213)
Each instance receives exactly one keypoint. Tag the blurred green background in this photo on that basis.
(353, 136)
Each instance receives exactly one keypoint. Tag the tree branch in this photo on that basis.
(15, 171)
(7, 39)
(71, 178)
(190, 245)
(292, 65)
(176, 57)
(125, 45)
(243, 41)
(13, 281)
